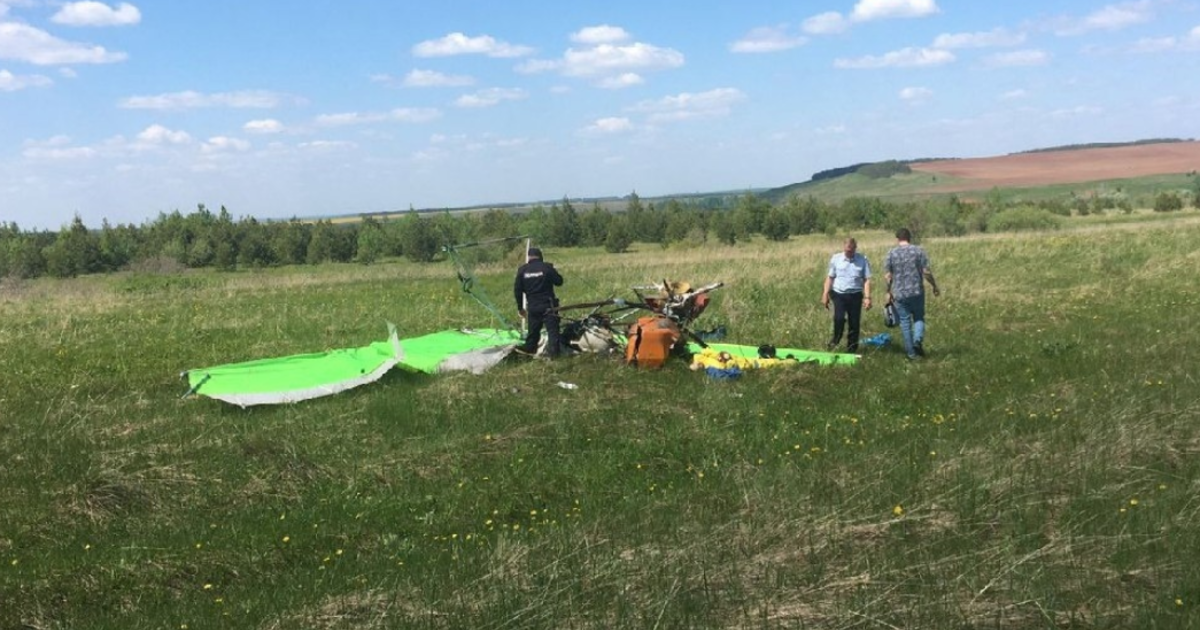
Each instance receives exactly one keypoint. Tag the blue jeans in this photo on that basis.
(912, 321)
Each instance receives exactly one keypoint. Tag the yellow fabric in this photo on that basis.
(708, 357)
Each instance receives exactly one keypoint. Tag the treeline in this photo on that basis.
(203, 239)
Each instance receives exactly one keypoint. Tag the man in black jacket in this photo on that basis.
(534, 292)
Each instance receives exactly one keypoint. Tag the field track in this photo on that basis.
(1062, 167)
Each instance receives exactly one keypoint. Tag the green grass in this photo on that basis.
(1040, 469)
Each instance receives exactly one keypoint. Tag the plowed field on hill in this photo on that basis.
(1064, 167)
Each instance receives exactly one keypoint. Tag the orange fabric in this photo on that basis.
(650, 341)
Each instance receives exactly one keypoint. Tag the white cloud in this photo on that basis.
(915, 93)
(56, 148)
(224, 144)
(1078, 110)
(158, 135)
(490, 97)
(997, 37)
(603, 34)
(1154, 44)
(608, 64)
(248, 99)
(1018, 58)
(431, 78)
(621, 81)
(830, 130)
(606, 126)
(1014, 94)
(767, 39)
(460, 44)
(904, 58)
(1112, 17)
(687, 106)
(97, 14)
(26, 43)
(266, 125)
(10, 82)
(867, 10)
(606, 59)
(404, 115)
(825, 23)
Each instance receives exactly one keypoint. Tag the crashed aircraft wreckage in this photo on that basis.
(663, 329)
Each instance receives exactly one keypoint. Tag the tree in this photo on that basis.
(619, 236)
(562, 225)
(776, 226)
(75, 251)
(593, 226)
(724, 228)
(371, 241)
(419, 238)
(1167, 202)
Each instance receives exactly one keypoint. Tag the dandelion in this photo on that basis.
(208, 587)
(1162, 486)
(898, 510)
(1178, 601)
(287, 539)
(1133, 501)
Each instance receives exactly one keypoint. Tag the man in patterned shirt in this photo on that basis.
(907, 267)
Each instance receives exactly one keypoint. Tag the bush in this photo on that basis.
(1022, 219)
(1167, 202)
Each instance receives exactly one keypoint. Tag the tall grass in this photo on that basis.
(1038, 470)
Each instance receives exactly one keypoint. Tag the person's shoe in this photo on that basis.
(919, 349)
(831, 346)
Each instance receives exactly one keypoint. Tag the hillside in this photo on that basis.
(1061, 166)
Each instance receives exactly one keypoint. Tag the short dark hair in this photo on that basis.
(534, 253)
(903, 234)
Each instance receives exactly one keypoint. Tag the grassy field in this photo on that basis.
(1041, 469)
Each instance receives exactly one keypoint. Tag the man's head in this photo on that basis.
(849, 247)
(903, 235)
(534, 253)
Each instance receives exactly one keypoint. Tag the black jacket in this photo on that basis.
(535, 281)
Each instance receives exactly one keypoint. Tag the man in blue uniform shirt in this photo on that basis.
(536, 302)
(848, 287)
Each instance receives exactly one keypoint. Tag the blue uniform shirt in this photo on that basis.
(849, 274)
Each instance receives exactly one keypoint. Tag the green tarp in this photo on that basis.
(305, 376)
(804, 356)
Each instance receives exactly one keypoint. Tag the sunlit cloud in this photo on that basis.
(607, 126)
(995, 38)
(249, 99)
(402, 115)
(1112, 17)
(490, 97)
(460, 44)
(767, 39)
(904, 58)
(596, 35)
(914, 94)
(1018, 58)
(264, 126)
(688, 106)
(432, 78)
(96, 14)
(22, 42)
(10, 82)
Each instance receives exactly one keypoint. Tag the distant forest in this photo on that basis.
(204, 239)
(1103, 145)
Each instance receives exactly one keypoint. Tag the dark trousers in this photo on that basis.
(846, 306)
(536, 320)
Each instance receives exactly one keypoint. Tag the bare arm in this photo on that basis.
(867, 293)
(932, 283)
(825, 291)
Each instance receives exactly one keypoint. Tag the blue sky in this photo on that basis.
(122, 110)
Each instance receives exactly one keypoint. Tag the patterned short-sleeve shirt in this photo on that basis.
(907, 264)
